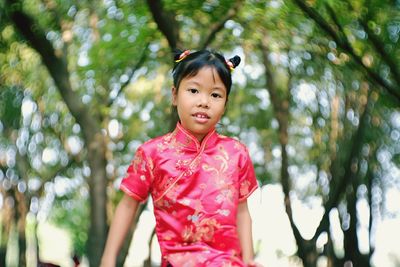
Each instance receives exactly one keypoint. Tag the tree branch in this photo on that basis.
(379, 47)
(219, 25)
(339, 188)
(342, 42)
(376, 42)
(166, 23)
(280, 106)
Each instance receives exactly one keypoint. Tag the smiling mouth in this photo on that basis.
(201, 116)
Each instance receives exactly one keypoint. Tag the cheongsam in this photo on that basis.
(196, 188)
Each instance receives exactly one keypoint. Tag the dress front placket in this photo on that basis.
(193, 164)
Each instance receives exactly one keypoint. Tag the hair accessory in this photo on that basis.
(230, 65)
(182, 56)
(233, 62)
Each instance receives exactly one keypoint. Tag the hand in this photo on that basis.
(254, 264)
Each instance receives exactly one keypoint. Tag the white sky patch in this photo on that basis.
(387, 249)
(276, 152)
(114, 128)
(61, 186)
(393, 200)
(239, 77)
(28, 107)
(322, 240)
(336, 229)
(74, 144)
(34, 184)
(396, 119)
(264, 97)
(363, 227)
(304, 180)
(275, 4)
(58, 236)
(49, 156)
(306, 93)
(307, 217)
(254, 71)
(83, 59)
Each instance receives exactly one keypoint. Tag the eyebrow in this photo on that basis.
(198, 84)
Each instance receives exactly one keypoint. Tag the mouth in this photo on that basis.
(201, 115)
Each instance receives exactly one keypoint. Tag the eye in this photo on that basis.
(193, 90)
(216, 95)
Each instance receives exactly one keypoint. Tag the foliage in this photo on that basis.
(327, 62)
(70, 212)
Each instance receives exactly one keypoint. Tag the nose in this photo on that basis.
(203, 101)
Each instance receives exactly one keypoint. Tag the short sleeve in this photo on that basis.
(247, 177)
(139, 177)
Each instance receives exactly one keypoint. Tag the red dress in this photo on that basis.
(196, 188)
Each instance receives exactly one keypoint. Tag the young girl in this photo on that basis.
(199, 180)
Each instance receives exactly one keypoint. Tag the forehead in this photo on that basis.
(204, 75)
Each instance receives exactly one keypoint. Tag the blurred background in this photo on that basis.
(316, 99)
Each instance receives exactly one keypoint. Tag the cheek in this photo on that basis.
(222, 109)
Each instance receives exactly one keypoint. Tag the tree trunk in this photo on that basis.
(350, 234)
(20, 218)
(90, 124)
(5, 227)
(306, 250)
(98, 196)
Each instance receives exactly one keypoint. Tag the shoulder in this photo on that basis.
(150, 146)
(233, 142)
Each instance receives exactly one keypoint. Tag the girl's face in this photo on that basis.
(200, 101)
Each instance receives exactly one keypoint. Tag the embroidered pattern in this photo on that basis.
(195, 188)
(200, 229)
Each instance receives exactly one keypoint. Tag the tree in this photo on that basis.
(89, 116)
(315, 98)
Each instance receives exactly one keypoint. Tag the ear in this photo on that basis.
(174, 96)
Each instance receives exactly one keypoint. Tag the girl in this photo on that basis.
(199, 180)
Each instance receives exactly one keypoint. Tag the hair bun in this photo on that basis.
(235, 61)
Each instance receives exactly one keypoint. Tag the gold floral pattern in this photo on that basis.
(195, 189)
(200, 229)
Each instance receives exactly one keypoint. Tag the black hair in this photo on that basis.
(193, 62)
(188, 64)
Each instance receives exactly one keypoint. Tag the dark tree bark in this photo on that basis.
(56, 64)
(219, 25)
(340, 182)
(169, 27)
(166, 23)
(20, 218)
(280, 100)
(5, 226)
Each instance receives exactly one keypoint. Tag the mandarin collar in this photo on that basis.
(184, 137)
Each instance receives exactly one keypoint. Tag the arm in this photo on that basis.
(245, 232)
(123, 217)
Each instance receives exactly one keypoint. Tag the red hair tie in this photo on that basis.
(182, 56)
(230, 65)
